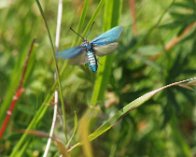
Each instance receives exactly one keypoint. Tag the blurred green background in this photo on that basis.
(157, 47)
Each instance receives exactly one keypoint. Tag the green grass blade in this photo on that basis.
(82, 20)
(100, 5)
(54, 59)
(74, 130)
(111, 18)
(40, 113)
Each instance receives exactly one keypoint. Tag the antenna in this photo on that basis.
(77, 33)
(90, 28)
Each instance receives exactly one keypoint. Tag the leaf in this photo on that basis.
(190, 4)
(149, 50)
(62, 149)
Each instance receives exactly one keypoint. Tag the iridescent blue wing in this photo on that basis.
(108, 37)
(70, 53)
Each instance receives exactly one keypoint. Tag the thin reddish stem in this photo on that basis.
(177, 39)
(18, 93)
(133, 15)
(174, 41)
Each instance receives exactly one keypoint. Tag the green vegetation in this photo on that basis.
(99, 114)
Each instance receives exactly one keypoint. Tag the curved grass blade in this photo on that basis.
(131, 106)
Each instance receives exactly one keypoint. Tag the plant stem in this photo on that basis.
(18, 92)
(58, 30)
